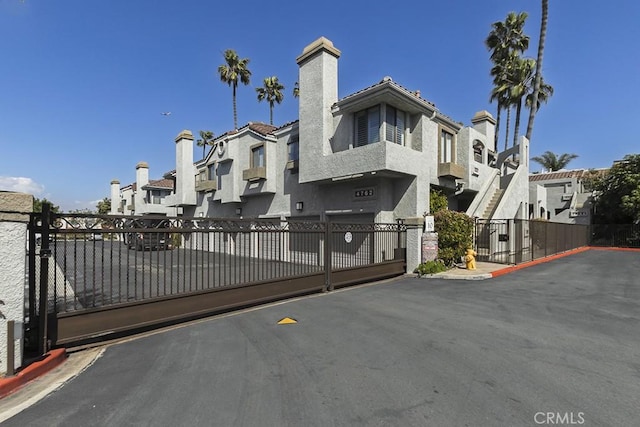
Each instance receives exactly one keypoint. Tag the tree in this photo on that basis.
(551, 162)
(37, 205)
(538, 78)
(506, 41)
(271, 90)
(519, 80)
(230, 72)
(206, 139)
(617, 194)
(104, 206)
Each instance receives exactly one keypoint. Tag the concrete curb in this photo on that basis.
(32, 371)
(513, 268)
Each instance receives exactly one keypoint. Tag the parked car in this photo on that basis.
(95, 236)
(149, 234)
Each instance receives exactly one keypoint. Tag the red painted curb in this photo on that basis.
(600, 248)
(52, 359)
(538, 261)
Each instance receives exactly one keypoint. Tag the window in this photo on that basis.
(293, 149)
(155, 197)
(478, 148)
(395, 125)
(218, 176)
(446, 147)
(367, 129)
(257, 157)
(211, 172)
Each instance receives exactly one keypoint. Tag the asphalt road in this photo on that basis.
(557, 343)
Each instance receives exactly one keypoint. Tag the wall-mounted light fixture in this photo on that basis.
(238, 211)
(299, 206)
(201, 214)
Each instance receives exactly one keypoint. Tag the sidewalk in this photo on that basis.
(484, 270)
(487, 270)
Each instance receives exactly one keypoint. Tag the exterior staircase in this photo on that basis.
(493, 204)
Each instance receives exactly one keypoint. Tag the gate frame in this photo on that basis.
(55, 328)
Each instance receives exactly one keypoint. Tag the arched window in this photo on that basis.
(478, 151)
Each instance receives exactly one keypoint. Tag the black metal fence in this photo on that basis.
(96, 262)
(513, 241)
(618, 235)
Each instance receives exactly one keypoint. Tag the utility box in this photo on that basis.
(429, 246)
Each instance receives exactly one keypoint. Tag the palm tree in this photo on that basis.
(206, 139)
(272, 92)
(546, 92)
(234, 69)
(552, 162)
(296, 90)
(505, 39)
(521, 78)
(538, 78)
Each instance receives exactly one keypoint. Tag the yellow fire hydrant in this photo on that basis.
(470, 259)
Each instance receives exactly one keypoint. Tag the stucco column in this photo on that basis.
(14, 217)
(115, 197)
(414, 242)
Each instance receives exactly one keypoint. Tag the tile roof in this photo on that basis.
(566, 174)
(389, 82)
(259, 127)
(160, 183)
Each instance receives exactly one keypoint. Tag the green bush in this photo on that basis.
(437, 202)
(431, 267)
(455, 235)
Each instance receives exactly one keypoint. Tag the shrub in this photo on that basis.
(455, 235)
(431, 267)
(437, 202)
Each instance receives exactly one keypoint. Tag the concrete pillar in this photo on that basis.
(185, 172)
(484, 123)
(318, 77)
(142, 179)
(115, 197)
(415, 228)
(14, 217)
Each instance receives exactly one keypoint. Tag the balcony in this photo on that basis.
(292, 165)
(206, 185)
(254, 174)
(451, 170)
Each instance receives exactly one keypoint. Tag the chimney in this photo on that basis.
(115, 197)
(318, 77)
(142, 179)
(185, 188)
(484, 123)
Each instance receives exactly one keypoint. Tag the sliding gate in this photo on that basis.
(95, 276)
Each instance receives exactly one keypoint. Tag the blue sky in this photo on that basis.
(83, 83)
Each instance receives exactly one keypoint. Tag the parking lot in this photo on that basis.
(555, 342)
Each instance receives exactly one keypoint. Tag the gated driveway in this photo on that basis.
(553, 343)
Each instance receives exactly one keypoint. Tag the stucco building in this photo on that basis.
(371, 156)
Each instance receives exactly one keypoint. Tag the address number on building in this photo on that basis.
(364, 192)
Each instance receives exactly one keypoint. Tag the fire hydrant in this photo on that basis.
(470, 259)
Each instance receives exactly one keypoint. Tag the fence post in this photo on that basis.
(45, 253)
(328, 286)
(15, 209)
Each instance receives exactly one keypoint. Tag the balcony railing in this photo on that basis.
(451, 170)
(206, 185)
(254, 174)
